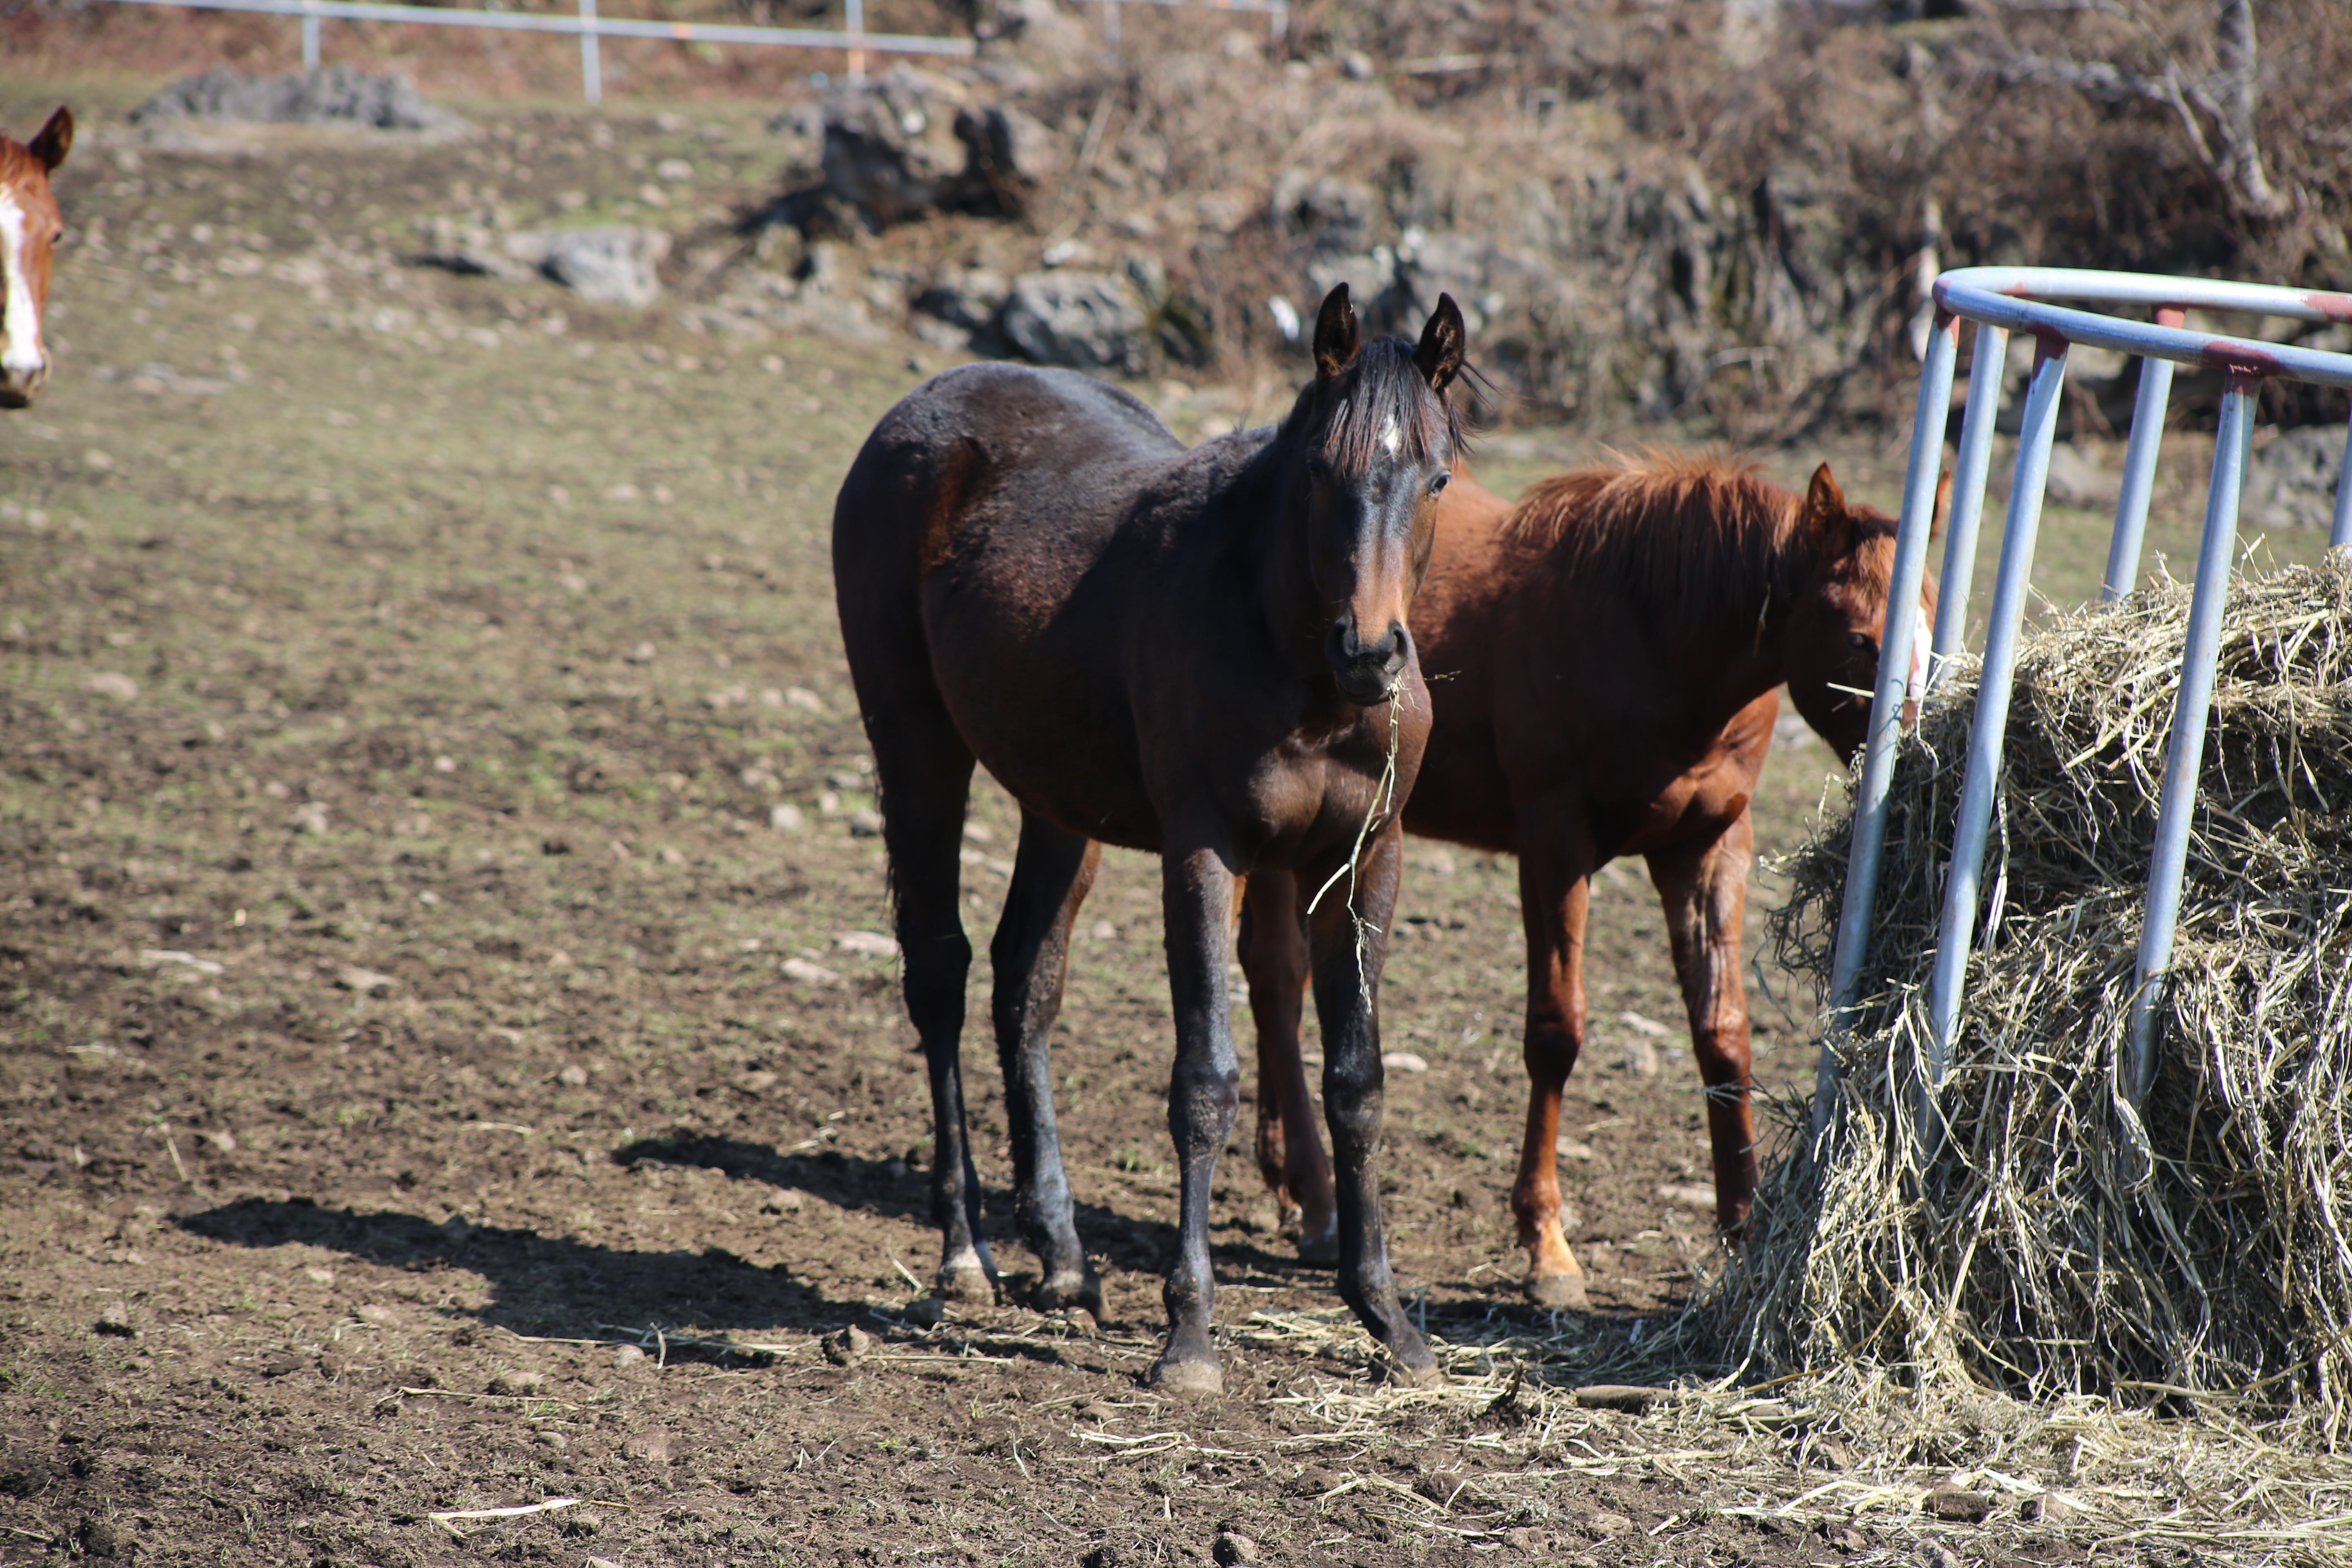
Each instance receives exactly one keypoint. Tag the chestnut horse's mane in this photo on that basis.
(1690, 535)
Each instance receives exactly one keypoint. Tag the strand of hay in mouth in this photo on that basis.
(2056, 1244)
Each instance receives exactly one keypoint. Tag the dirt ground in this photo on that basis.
(427, 738)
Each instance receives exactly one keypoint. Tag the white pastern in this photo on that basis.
(20, 321)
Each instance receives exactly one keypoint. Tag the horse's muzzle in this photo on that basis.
(1366, 672)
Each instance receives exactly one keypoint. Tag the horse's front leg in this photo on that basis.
(1197, 896)
(1348, 936)
(1030, 955)
(1704, 887)
(1289, 1149)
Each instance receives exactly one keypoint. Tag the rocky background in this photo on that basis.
(1721, 215)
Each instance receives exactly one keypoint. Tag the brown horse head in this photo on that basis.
(1372, 441)
(29, 226)
(1834, 630)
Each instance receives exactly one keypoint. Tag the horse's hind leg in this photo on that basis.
(1030, 955)
(1555, 892)
(925, 771)
(1289, 1151)
(1704, 887)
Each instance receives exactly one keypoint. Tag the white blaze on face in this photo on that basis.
(1390, 437)
(20, 321)
(1922, 634)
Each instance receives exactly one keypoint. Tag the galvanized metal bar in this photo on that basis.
(1928, 421)
(853, 18)
(2155, 397)
(2184, 753)
(606, 26)
(2087, 286)
(591, 61)
(2339, 533)
(310, 39)
(1981, 777)
(1992, 357)
(1955, 293)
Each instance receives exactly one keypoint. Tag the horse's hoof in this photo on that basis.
(1320, 1251)
(1188, 1379)
(1558, 1291)
(970, 1286)
(1066, 1291)
(1402, 1376)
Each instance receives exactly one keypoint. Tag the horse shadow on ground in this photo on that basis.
(560, 1287)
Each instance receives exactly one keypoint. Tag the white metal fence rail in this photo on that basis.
(852, 38)
(1999, 300)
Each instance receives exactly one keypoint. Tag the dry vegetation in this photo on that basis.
(2055, 1241)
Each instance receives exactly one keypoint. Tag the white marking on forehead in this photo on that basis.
(20, 321)
(1390, 437)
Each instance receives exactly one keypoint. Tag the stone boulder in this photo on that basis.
(332, 95)
(2291, 481)
(908, 142)
(609, 264)
(1086, 320)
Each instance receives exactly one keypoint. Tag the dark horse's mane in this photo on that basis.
(1380, 390)
(1690, 535)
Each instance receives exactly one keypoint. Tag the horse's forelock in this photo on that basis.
(1378, 409)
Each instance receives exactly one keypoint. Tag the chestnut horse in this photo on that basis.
(29, 226)
(1605, 656)
(1200, 653)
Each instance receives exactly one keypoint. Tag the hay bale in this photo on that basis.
(2055, 1243)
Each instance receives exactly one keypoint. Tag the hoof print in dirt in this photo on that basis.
(1232, 1548)
(850, 1346)
(653, 1446)
(1631, 1399)
(102, 1538)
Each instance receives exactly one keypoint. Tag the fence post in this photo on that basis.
(310, 43)
(592, 63)
(853, 22)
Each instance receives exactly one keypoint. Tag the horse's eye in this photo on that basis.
(1317, 469)
(1440, 482)
(1862, 643)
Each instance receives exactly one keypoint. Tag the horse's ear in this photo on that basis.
(54, 140)
(1337, 336)
(1439, 357)
(1943, 505)
(1825, 507)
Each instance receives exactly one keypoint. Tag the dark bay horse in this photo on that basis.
(1200, 653)
(29, 226)
(1604, 657)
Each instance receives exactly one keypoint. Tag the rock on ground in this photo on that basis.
(1086, 320)
(332, 95)
(2291, 483)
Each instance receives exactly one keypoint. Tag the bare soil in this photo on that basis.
(407, 1113)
